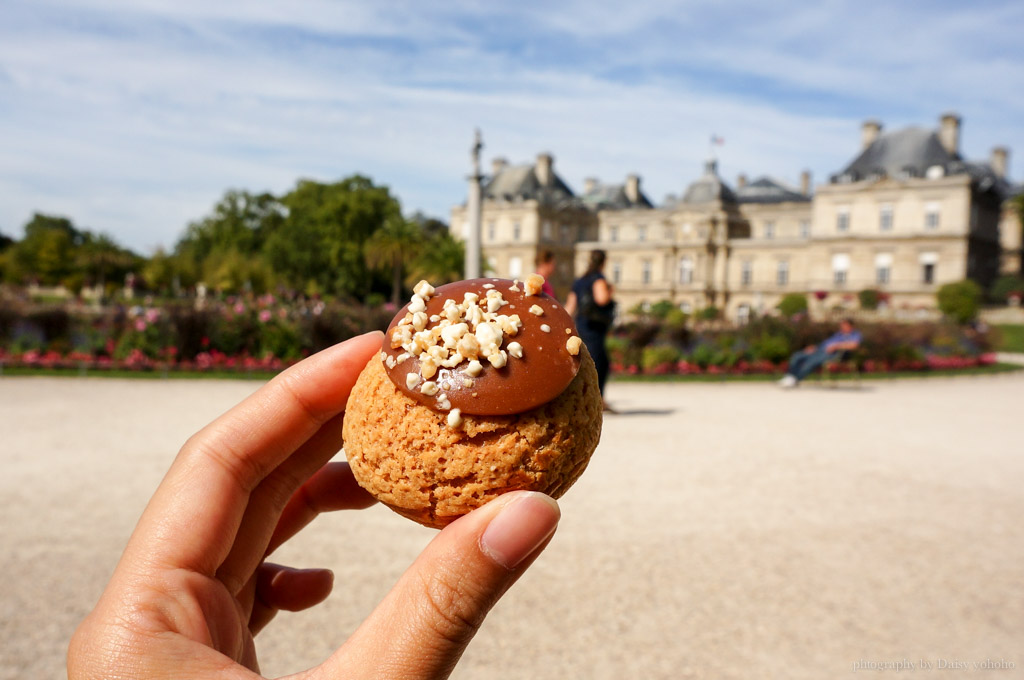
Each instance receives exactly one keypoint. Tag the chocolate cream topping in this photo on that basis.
(483, 347)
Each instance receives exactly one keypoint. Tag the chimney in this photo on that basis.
(869, 131)
(1000, 159)
(633, 188)
(497, 165)
(805, 182)
(589, 184)
(741, 181)
(543, 168)
(949, 133)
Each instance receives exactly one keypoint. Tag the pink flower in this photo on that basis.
(264, 316)
(239, 308)
(140, 325)
(152, 315)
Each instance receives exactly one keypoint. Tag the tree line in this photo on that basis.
(346, 239)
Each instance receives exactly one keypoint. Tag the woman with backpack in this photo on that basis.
(591, 303)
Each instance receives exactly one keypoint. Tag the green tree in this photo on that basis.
(792, 304)
(960, 301)
(321, 242)
(440, 259)
(46, 254)
(394, 246)
(99, 259)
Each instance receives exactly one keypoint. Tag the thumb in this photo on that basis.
(423, 626)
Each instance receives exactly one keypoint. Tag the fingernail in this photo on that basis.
(520, 528)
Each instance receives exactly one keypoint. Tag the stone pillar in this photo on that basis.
(474, 209)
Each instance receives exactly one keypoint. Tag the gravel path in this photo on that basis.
(722, 531)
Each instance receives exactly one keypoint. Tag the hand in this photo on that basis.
(810, 349)
(193, 586)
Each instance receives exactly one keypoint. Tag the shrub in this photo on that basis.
(792, 304)
(709, 313)
(1006, 285)
(869, 298)
(661, 309)
(959, 301)
(657, 357)
(773, 348)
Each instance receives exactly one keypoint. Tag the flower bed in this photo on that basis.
(657, 348)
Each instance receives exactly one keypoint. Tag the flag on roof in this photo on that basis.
(716, 140)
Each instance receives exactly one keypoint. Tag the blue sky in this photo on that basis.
(132, 117)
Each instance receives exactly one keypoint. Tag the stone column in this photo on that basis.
(474, 211)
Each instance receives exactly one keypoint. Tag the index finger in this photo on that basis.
(193, 517)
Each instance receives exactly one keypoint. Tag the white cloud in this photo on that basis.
(134, 117)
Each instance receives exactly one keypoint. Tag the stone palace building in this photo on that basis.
(907, 214)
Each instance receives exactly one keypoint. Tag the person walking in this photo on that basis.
(593, 307)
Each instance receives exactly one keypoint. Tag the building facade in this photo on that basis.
(526, 210)
(907, 214)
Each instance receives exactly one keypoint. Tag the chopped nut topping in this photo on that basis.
(534, 284)
(428, 369)
(454, 418)
(573, 344)
(418, 304)
(461, 337)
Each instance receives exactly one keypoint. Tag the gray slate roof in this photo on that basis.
(911, 151)
(768, 190)
(709, 187)
(613, 197)
(520, 182)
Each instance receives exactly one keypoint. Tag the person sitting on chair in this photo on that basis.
(804, 362)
